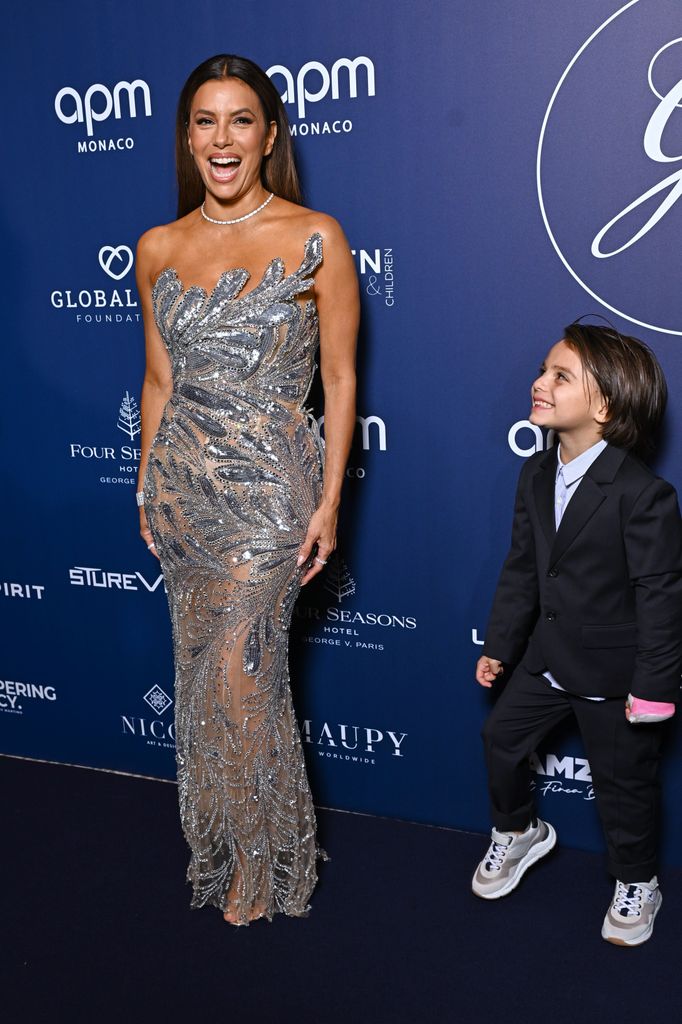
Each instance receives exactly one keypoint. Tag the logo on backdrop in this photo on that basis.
(129, 417)
(370, 435)
(613, 213)
(526, 438)
(87, 576)
(158, 731)
(124, 101)
(314, 82)
(103, 305)
(377, 274)
(337, 578)
(16, 698)
(562, 776)
(353, 744)
(114, 464)
(112, 258)
(24, 591)
(341, 627)
(158, 699)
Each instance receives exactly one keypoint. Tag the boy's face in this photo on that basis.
(565, 397)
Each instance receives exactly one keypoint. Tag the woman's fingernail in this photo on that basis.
(300, 560)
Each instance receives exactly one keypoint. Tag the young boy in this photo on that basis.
(589, 610)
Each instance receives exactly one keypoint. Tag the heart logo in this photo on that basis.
(109, 253)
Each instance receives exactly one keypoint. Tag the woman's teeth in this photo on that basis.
(224, 168)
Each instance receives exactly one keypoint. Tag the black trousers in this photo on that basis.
(624, 760)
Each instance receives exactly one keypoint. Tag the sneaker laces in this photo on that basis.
(628, 900)
(494, 858)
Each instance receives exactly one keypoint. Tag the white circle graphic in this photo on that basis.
(538, 173)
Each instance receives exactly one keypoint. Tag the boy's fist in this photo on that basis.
(487, 669)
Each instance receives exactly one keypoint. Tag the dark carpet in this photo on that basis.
(96, 925)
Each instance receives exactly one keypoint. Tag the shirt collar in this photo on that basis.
(576, 468)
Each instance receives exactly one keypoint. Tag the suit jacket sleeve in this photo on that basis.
(653, 546)
(516, 603)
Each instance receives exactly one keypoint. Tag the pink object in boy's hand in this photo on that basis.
(647, 710)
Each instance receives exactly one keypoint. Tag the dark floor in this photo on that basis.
(96, 925)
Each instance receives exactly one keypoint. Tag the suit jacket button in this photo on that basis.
(550, 616)
(553, 573)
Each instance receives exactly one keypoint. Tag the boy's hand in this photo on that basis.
(487, 670)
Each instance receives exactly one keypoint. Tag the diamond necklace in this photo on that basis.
(237, 220)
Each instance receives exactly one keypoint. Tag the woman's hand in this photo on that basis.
(487, 670)
(321, 532)
(146, 533)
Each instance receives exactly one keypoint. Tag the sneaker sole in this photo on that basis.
(615, 941)
(539, 851)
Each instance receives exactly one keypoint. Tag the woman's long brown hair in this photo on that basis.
(278, 170)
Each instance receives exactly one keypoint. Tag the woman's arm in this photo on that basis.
(338, 305)
(157, 386)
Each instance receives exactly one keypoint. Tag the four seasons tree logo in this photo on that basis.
(338, 580)
(113, 464)
(129, 417)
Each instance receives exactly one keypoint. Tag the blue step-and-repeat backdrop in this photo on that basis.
(499, 169)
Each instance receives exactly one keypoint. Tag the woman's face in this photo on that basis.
(228, 137)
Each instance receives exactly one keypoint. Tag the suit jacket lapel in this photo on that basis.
(581, 508)
(543, 489)
(590, 494)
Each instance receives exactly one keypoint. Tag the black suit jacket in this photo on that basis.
(598, 603)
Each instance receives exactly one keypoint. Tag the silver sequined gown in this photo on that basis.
(233, 478)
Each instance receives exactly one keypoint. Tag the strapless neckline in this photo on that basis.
(171, 272)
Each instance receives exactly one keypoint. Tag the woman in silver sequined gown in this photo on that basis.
(235, 500)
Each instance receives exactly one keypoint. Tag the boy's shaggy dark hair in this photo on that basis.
(629, 377)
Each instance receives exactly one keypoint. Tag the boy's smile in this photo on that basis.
(565, 398)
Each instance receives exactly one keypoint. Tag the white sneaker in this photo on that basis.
(630, 919)
(509, 857)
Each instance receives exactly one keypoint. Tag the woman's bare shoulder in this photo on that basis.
(163, 236)
(157, 246)
(309, 222)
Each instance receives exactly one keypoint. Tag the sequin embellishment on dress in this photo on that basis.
(234, 476)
